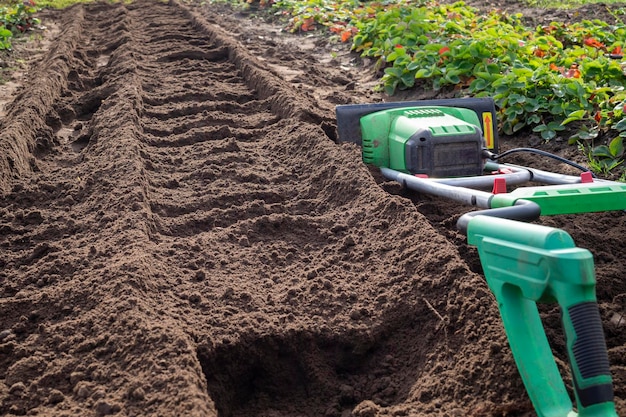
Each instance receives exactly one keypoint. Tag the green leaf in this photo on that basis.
(393, 72)
(516, 98)
(534, 118)
(392, 56)
(423, 73)
(465, 66)
(616, 147)
(548, 134)
(408, 79)
(621, 125)
(478, 84)
(518, 126)
(577, 115)
(514, 110)
(556, 126)
(587, 135)
(601, 151)
(390, 87)
(453, 79)
(614, 164)
(413, 65)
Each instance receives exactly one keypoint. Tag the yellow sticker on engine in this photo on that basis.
(488, 127)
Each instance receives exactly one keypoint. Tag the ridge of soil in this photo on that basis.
(181, 235)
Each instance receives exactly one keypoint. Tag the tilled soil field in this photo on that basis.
(181, 235)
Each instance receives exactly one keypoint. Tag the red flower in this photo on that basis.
(548, 29)
(338, 27)
(572, 72)
(553, 67)
(593, 42)
(597, 117)
(308, 24)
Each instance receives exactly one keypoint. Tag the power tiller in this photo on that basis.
(449, 148)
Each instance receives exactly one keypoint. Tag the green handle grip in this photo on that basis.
(588, 357)
(525, 264)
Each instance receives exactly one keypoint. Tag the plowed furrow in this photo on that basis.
(95, 142)
(202, 94)
(172, 110)
(175, 222)
(177, 126)
(184, 77)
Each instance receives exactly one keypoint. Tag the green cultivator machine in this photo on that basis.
(445, 148)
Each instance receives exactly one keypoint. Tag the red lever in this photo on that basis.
(586, 177)
(499, 186)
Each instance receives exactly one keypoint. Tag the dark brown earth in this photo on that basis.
(181, 235)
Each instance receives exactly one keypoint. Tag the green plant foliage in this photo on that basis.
(5, 38)
(16, 17)
(537, 77)
(60, 4)
(567, 4)
(541, 79)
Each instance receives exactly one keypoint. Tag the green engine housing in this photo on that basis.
(436, 141)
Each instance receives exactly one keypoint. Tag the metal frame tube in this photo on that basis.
(486, 181)
(522, 210)
(547, 177)
(461, 194)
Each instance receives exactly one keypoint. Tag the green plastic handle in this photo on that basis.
(525, 264)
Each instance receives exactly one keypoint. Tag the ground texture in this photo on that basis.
(180, 235)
